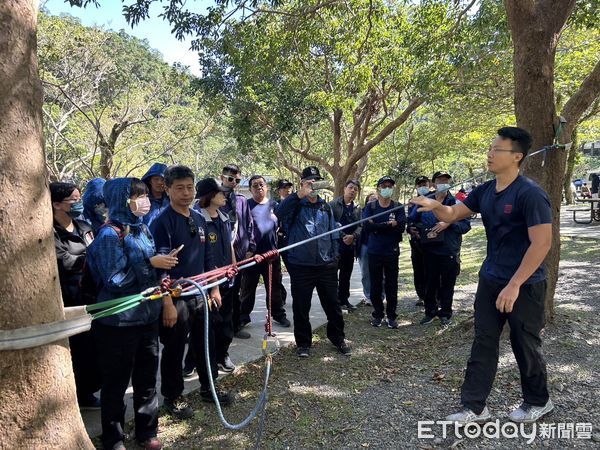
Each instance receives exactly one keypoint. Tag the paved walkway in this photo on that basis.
(243, 351)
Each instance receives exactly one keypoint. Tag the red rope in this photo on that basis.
(268, 318)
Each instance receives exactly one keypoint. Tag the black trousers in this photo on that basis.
(378, 267)
(220, 338)
(441, 272)
(190, 319)
(417, 256)
(526, 322)
(84, 356)
(250, 279)
(128, 353)
(236, 305)
(345, 266)
(304, 279)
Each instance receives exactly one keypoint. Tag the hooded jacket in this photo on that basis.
(300, 220)
(70, 254)
(120, 264)
(157, 205)
(92, 197)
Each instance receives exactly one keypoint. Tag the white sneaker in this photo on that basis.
(527, 413)
(467, 416)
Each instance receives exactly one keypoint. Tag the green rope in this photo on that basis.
(109, 303)
(133, 301)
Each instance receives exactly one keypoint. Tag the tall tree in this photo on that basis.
(536, 27)
(38, 407)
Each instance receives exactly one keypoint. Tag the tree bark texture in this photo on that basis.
(38, 406)
(536, 27)
(572, 156)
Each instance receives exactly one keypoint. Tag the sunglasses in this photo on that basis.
(193, 226)
(233, 179)
(259, 186)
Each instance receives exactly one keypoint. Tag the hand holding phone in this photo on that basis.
(176, 250)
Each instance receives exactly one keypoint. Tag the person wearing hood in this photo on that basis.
(71, 239)
(122, 260)
(94, 206)
(157, 194)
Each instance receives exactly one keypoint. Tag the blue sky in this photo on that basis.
(154, 29)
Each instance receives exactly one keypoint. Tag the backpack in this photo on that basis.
(88, 288)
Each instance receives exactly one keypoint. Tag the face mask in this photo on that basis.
(442, 187)
(142, 206)
(386, 192)
(423, 190)
(76, 210)
(314, 194)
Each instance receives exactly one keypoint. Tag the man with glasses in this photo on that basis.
(345, 211)
(181, 232)
(265, 236)
(243, 234)
(517, 217)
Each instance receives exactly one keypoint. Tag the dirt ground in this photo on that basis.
(396, 378)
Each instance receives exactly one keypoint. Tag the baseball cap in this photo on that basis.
(421, 179)
(284, 183)
(385, 179)
(440, 174)
(311, 173)
(207, 186)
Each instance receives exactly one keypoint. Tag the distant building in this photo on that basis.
(591, 148)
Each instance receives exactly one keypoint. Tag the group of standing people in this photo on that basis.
(138, 232)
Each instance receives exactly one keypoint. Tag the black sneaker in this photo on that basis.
(89, 403)
(303, 352)
(391, 323)
(420, 302)
(178, 408)
(445, 321)
(345, 349)
(225, 398)
(241, 334)
(284, 322)
(425, 320)
(349, 306)
(376, 322)
(227, 365)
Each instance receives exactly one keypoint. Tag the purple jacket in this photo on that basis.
(241, 223)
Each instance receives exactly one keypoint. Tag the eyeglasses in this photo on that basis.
(233, 179)
(499, 150)
(258, 186)
(193, 226)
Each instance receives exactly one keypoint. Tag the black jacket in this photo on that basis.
(71, 249)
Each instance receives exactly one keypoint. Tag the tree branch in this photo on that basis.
(581, 100)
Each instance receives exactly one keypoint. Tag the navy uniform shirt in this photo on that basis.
(383, 238)
(171, 229)
(506, 216)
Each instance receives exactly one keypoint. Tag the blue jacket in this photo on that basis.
(452, 234)
(120, 262)
(92, 197)
(301, 219)
(157, 205)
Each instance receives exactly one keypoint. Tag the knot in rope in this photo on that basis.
(267, 256)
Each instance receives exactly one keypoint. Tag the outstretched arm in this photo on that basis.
(443, 213)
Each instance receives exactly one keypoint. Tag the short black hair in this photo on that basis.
(138, 187)
(60, 190)
(520, 138)
(256, 177)
(353, 181)
(177, 172)
(232, 168)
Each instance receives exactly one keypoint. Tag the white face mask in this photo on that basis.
(386, 192)
(442, 187)
(423, 190)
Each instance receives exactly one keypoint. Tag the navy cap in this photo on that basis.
(311, 173)
(421, 179)
(385, 179)
(440, 174)
(284, 183)
(207, 186)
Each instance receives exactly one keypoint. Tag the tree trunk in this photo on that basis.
(535, 29)
(106, 160)
(570, 168)
(38, 406)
